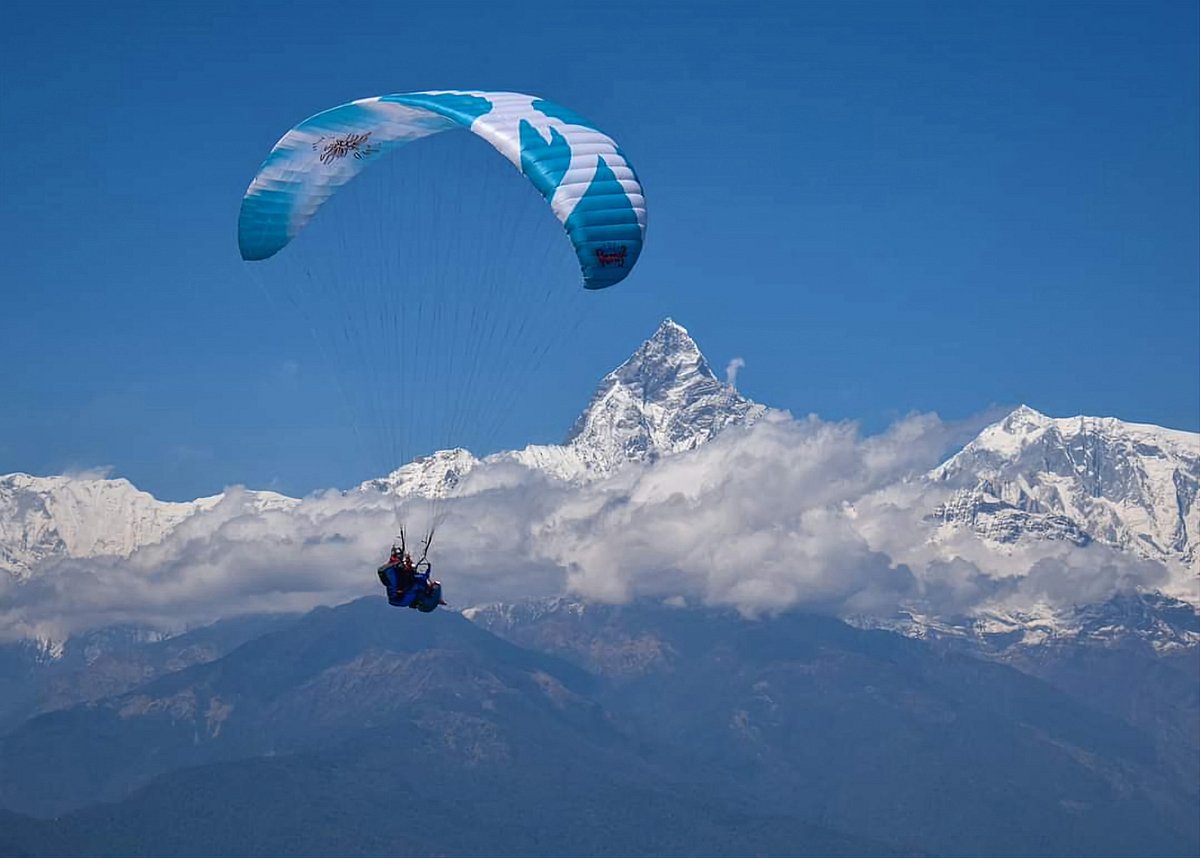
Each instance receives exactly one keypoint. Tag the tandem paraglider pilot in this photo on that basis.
(410, 585)
(579, 171)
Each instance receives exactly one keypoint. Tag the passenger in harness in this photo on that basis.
(408, 584)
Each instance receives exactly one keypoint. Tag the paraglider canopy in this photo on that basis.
(579, 170)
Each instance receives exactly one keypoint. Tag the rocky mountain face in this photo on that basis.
(1135, 657)
(1078, 479)
(100, 663)
(699, 731)
(312, 739)
(665, 399)
(771, 687)
(303, 685)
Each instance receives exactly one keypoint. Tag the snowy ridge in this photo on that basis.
(505, 616)
(1149, 619)
(42, 517)
(1079, 479)
(66, 516)
(1152, 619)
(434, 476)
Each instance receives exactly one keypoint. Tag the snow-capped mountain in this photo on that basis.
(664, 399)
(1078, 479)
(83, 516)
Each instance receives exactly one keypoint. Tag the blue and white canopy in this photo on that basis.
(581, 171)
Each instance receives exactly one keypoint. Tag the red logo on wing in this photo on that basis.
(611, 255)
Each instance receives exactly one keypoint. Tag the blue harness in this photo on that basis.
(415, 591)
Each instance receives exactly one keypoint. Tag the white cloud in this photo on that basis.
(788, 513)
(91, 472)
(731, 370)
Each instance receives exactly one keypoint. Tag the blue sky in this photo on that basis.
(880, 207)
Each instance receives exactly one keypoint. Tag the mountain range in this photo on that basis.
(550, 726)
(582, 729)
(1024, 479)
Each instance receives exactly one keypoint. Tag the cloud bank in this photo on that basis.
(789, 513)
